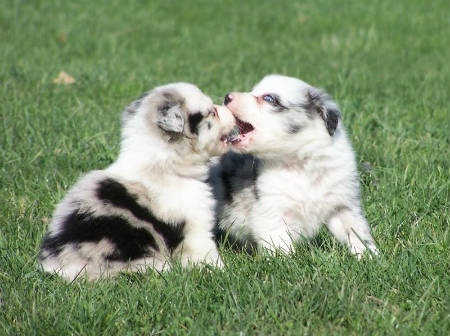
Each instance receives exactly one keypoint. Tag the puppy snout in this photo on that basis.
(228, 99)
(225, 117)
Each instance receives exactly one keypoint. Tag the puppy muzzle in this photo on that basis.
(226, 118)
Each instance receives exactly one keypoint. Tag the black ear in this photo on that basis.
(318, 101)
(170, 116)
(331, 120)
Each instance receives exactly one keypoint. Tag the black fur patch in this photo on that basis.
(194, 120)
(314, 103)
(115, 193)
(130, 242)
(332, 121)
(233, 173)
(318, 101)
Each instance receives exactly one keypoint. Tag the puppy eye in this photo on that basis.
(270, 99)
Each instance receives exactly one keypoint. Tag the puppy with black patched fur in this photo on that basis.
(153, 203)
(299, 170)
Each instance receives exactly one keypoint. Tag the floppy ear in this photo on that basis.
(331, 118)
(318, 101)
(170, 117)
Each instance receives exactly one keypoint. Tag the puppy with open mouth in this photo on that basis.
(301, 172)
(152, 204)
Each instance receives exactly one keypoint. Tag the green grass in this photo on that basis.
(385, 62)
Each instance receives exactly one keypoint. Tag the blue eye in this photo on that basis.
(268, 98)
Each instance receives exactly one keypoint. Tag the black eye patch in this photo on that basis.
(194, 120)
(275, 101)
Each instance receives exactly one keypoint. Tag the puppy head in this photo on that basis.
(280, 115)
(178, 117)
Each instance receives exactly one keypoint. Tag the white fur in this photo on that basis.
(166, 172)
(306, 178)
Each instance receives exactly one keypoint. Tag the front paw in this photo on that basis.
(209, 257)
(214, 260)
(369, 250)
(277, 244)
(189, 261)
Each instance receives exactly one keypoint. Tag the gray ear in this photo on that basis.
(170, 117)
(318, 101)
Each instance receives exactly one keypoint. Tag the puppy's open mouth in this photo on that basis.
(239, 134)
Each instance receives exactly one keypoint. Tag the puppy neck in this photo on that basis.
(150, 158)
(307, 150)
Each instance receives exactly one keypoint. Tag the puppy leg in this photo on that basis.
(351, 228)
(277, 240)
(199, 247)
(271, 231)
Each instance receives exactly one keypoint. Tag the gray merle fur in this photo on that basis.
(114, 192)
(233, 173)
(130, 242)
(318, 101)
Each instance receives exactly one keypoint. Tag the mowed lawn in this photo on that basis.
(385, 62)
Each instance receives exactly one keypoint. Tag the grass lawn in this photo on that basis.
(385, 62)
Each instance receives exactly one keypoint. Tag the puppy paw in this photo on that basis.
(370, 251)
(277, 244)
(215, 261)
(199, 260)
(196, 256)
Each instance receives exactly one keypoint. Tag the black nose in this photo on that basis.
(228, 98)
